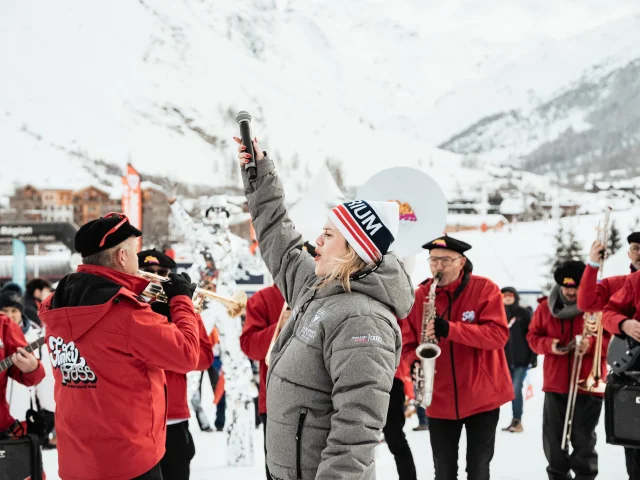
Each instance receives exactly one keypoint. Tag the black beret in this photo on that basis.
(569, 274)
(449, 243)
(104, 233)
(149, 258)
(9, 298)
(634, 237)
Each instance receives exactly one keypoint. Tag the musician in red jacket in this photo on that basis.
(555, 323)
(26, 368)
(472, 378)
(263, 311)
(109, 351)
(593, 296)
(179, 443)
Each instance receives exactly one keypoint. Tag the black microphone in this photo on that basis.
(244, 121)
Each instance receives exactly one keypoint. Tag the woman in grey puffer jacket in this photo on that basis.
(332, 366)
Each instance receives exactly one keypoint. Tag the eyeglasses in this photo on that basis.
(635, 249)
(446, 261)
(123, 220)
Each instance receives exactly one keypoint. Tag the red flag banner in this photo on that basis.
(132, 199)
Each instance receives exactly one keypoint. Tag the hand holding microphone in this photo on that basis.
(249, 152)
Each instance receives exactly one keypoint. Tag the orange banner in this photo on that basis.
(132, 199)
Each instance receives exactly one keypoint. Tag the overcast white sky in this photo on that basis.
(513, 20)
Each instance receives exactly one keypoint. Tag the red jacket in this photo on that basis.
(624, 304)
(263, 311)
(472, 375)
(11, 338)
(109, 351)
(544, 328)
(178, 407)
(593, 296)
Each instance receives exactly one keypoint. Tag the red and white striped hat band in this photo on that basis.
(369, 227)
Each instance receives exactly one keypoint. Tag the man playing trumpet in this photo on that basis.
(180, 448)
(109, 350)
(472, 379)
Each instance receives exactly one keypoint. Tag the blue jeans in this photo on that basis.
(518, 374)
(422, 415)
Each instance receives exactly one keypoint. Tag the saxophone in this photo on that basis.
(428, 350)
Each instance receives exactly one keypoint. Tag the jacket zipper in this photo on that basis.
(166, 407)
(453, 363)
(303, 415)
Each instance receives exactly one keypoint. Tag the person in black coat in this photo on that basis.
(520, 357)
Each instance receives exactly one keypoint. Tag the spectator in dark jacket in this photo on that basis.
(520, 357)
(37, 290)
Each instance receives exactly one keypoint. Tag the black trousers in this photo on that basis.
(632, 457)
(481, 439)
(263, 417)
(394, 433)
(180, 449)
(583, 460)
(153, 474)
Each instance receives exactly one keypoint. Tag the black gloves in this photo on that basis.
(179, 285)
(441, 327)
(161, 308)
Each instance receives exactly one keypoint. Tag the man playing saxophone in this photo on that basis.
(556, 324)
(471, 378)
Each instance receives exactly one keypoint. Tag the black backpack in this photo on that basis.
(622, 409)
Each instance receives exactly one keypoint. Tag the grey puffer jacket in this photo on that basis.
(333, 364)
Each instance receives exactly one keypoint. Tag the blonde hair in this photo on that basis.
(342, 269)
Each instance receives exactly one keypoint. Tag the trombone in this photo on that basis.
(234, 304)
(593, 327)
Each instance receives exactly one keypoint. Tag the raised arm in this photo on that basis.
(291, 267)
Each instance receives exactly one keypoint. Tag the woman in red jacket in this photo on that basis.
(555, 323)
(179, 443)
(472, 378)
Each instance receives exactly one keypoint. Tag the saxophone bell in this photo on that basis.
(428, 351)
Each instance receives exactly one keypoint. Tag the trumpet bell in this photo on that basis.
(428, 351)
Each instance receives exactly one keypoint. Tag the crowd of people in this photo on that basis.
(335, 339)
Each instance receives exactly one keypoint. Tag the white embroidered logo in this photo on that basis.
(316, 318)
(469, 316)
(73, 367)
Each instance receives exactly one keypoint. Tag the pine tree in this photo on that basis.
(558, 257)
(574, 249)
(560, 249)
(615, 241)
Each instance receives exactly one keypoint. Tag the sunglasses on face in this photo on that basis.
(158, 270)
(123, 219)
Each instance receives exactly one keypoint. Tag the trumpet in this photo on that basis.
(428, 350)
(234, 304)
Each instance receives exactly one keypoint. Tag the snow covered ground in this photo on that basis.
(517, 456)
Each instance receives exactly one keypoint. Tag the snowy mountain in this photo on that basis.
(566, 107)
(362, 83)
